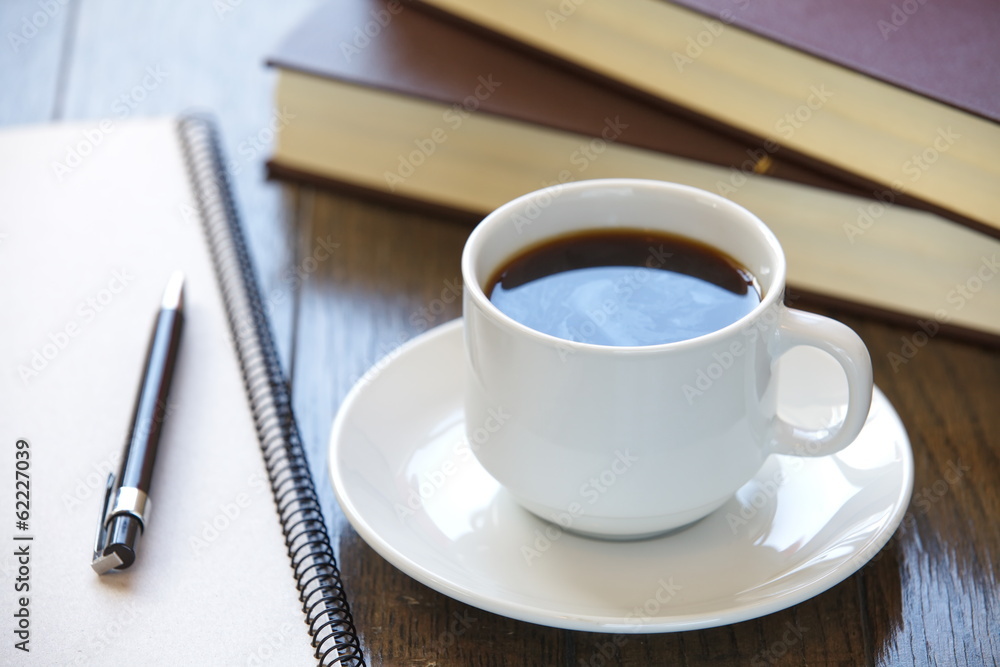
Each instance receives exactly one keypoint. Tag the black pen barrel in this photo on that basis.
(151, 402)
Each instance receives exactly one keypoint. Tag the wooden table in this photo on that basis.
(930, 597)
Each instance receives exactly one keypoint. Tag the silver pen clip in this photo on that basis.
(105, 563)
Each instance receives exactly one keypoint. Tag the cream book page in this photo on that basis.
(94, 220)
(886, 257)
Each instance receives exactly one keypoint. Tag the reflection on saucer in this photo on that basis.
(408, 481)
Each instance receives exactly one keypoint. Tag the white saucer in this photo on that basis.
(410, 486)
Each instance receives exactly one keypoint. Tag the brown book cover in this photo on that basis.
(388, 45)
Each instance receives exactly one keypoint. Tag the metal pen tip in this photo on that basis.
(173, 295)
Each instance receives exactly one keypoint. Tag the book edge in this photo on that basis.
(278, 171)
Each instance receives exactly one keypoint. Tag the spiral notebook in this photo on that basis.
(236, 567)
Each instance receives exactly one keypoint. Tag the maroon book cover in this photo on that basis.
(947, 51)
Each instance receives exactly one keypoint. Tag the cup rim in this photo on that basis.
(474, 290)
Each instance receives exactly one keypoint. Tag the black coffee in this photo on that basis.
(624, 287)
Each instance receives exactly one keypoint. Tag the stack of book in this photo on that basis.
(873, 159)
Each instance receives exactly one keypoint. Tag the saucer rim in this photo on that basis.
(593, 622)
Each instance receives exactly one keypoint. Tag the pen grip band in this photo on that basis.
(130, 500)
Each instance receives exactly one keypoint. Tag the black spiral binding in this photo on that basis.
(321, 592)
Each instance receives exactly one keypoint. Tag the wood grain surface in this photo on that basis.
(347, 281)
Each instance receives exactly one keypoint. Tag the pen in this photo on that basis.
(125, 514)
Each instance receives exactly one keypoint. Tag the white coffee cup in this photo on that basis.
(625, 442)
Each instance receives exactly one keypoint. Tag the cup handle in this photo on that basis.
(796, 327)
